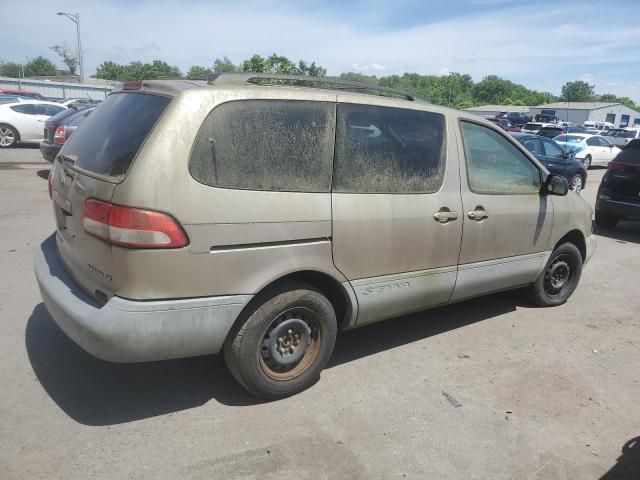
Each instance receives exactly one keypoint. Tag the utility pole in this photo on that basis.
(76, 19)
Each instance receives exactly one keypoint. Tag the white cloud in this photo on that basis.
(587, 77)
(443, 71)
(502, 42)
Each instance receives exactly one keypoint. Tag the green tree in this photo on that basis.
(198, 71)
(40, 67)
(69, 57)
(607, 97)
(577, 91)
(136, 71)
(358, 77)
(10, 69)
(224, 64)
(255, 64)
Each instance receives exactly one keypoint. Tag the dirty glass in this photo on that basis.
(388, 150)
(495, 165)
(278, 145)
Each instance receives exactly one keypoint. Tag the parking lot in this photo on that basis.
(544, 393)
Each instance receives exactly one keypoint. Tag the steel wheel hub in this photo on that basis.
(286, 343)
(557, 277)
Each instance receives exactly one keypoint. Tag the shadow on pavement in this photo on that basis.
(624, 232)
(627, 466)
(95, 392)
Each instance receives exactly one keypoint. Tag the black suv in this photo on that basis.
(517, 118)
(619, 193)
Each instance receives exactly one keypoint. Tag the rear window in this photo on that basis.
(627, 134)
(532, 126)
(108, 141)
(275, 145)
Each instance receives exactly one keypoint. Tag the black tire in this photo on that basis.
(577, 183)
(9, 136)
(587, 162)
(560, 277)
(606, 221)
(255, 349)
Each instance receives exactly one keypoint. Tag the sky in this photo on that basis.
(541, 44)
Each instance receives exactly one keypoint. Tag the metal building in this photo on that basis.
(579, 112)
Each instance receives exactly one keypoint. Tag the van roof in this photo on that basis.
(172, 86)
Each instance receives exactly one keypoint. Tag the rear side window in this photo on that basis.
(108, 141)
(276, 145)
(388, 150)
(48, 110)
(28, 109)
(494, 165)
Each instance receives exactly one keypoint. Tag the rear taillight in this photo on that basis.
(50, 184)
(58, 137)
(622, 165)
(132, 227)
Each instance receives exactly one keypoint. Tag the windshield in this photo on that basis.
(108, 141)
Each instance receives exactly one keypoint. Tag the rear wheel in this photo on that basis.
(577, 183)
(587, 162)
(560, 277)
(284, 343)
(8, 136)
(606, 220)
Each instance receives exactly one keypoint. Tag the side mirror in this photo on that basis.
(555, 185)
(569, 154)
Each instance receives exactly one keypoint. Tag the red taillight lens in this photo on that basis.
(621, 165)
(58, 137)
(50, 184)
(132, 227)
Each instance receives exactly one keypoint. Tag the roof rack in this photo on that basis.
(304, 81)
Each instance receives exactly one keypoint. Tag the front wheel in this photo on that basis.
(577, 183)
(284, 343)
(587, 162)
(560, 277)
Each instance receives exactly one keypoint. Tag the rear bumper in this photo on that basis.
(627, 210)
(49, 150)
(133, 331)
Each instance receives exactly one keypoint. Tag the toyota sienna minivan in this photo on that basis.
(259, 216)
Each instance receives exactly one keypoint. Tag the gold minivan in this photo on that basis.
(260, 215)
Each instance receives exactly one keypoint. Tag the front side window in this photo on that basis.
(534, 145)
(388, 150)
(494, 165)
(553, 150)
(276, 145)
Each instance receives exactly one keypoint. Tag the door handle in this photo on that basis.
(478, 215)
(444, 216)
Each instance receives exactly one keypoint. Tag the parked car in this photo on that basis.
(77, 102)
(517, 118)
(22, 93)
(544, 118)
(619, 192)
(557, 160)
(590, 149)
(622, 136)
(552, 131)
(503, 123)
(533, 128)
(12, 98)
(59, 128)
(256, 219)
(23, 122)
(598, 125)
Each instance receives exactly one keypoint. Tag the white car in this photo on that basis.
(590, 149)
(23, 122)
(533, 127)
(598, 125)
(78, 101)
